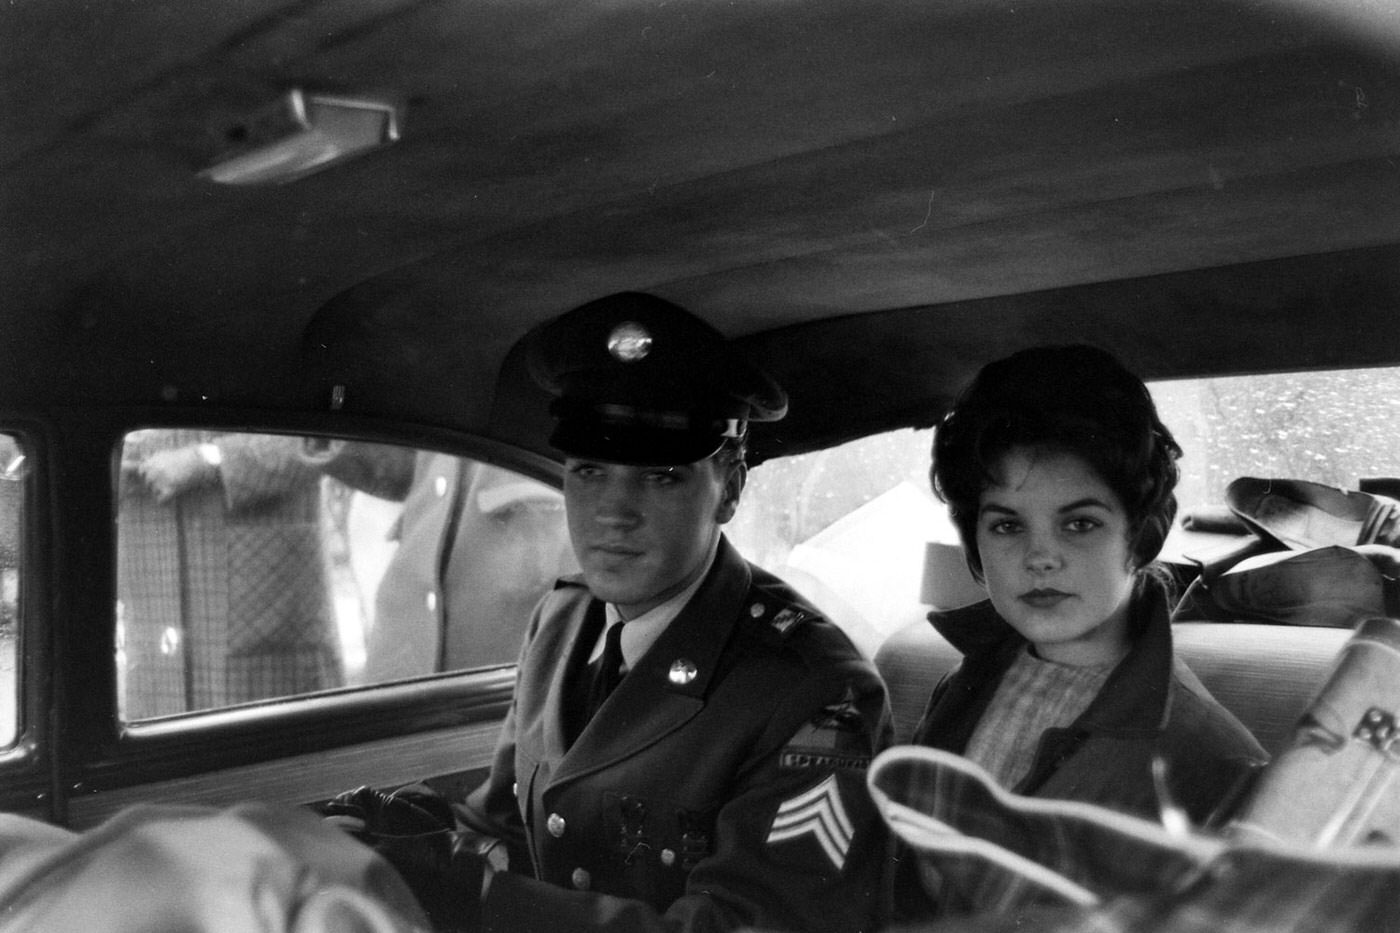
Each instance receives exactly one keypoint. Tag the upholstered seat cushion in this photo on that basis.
(1264, 674)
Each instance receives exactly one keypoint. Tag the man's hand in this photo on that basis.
(414, 830)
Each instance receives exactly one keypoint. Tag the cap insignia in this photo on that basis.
(629, 342)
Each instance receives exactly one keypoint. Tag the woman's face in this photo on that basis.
(1053, 538)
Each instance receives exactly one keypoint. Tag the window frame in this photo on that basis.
(97, 753)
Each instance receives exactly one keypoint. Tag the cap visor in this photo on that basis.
(633, 445)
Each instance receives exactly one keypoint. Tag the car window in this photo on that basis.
(260, 566)
(853, 527)
(13, 478)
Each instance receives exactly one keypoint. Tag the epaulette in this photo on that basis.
(775, 618)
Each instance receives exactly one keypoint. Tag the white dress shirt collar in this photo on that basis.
(641, 633)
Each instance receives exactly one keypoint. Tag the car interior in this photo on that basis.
(310, 225)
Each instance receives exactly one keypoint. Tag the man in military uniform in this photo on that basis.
(721, 781)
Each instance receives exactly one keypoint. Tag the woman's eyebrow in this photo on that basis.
(1086, 502)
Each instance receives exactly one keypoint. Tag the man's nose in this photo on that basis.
(617, 504)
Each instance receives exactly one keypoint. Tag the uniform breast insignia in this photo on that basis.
(695, 838)
(836, 738)
(820, 813)
(632, 842)
(682, 672)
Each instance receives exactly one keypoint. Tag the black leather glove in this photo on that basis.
(414, 830)
(408, 811)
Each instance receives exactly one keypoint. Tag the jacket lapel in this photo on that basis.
(575, 640)
(667, 687)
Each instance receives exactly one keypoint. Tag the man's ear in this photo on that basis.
(734, 482)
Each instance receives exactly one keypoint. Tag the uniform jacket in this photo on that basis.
(721, 785)
(1152, 703)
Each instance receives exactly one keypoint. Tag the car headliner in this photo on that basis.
(876, 195)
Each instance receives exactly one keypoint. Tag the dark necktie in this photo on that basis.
(607, 670)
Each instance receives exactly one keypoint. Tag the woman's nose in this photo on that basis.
(1042, 554)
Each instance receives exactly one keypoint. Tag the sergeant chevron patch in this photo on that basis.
(820, 812)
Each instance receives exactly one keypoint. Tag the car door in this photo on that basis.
(216, 611)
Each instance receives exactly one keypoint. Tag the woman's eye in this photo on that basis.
(1004, 527)
(1082, 525)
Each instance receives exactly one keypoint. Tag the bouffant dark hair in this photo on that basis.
(1072, 399)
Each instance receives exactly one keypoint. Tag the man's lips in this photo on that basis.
(615, 551)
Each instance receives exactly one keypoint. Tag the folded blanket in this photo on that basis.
(1069, 867)
(253, 868)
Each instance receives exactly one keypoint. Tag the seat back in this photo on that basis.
(1264, 674)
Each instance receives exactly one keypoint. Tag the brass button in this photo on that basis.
(756, 610)
(581, 879)
(668, 857)
(555, 824)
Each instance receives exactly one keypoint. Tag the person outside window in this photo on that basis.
(222, 586)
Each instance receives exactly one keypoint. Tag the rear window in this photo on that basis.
(854, 527)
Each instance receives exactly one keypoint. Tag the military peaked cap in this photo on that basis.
(639, 380)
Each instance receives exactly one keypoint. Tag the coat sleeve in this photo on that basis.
(492, 809)
(259, 470)
(798, 843)
(382, 470)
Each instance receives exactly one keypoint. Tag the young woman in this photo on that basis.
(1059, 476)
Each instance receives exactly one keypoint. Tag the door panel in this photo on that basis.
(458, 757)
(181, 675)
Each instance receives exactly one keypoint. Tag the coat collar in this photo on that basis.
(1135, 699)
(667, 686)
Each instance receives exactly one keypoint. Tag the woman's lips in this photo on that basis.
(1043, 599)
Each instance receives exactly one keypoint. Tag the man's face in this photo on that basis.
(643, 533)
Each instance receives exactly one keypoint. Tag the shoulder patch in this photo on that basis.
(834, 739)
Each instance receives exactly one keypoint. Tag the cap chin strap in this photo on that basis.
(631, 415)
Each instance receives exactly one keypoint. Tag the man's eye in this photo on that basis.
(584, 470)
(663, 477)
